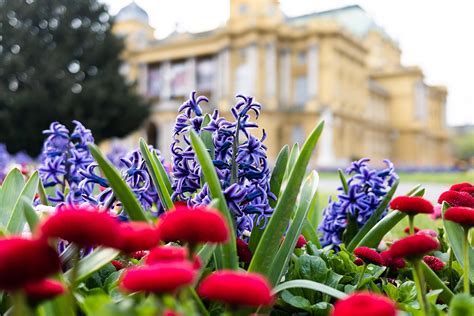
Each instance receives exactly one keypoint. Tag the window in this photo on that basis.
(155, 80)
(243, 8)
(298, 135)
(301, 90)
(301, 57)
(421, 106)
(205, 70)
(178, 80)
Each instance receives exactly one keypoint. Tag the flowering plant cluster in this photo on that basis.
(220, 232)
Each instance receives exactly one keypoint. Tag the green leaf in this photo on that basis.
(9, 193)
(17, 220)
(461, 305)
(164, 174)
(156, 176)
(59, 306)
(436, 283)
(306, 201)
(311, 285)
(268, 246)
(414, 190)
(227, 251)
(455, 234)
(206, 136)
(294, 154)
(420, 192)
(29, 211)
(375, 235)
(309, 232)
(276, 181)
(119, 187)
(42, 193)
(295, 300)
(373, 220)
(93, 262)
(343, 179)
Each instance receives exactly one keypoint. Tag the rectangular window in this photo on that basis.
(205, 70)
(155, 80)
(301, 90)
(298, 135)
(178, 79)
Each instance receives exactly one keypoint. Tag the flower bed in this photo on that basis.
(220, 232)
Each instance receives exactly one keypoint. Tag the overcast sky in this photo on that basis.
(437, 35)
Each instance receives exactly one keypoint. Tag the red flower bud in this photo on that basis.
(83, 225)
(243, 251)
(460, 186)
(461, 215)
(301, 242)
(368, 255)
(136, 236)
(118, 265)
(138, 255)
(407, 230)
(391, 262)
(411, 205)
(236, 288)
(455, 198)
(159, 277)
(364, 304)
(434, 263)
(171, 254)
(413, 247)
(43, 290)
(193, 225)
(23, 261)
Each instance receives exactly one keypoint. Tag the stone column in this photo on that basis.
(165, 92)
(285, 77)
(270, 71)
(142, 77)
(326, 157)
(191, 74)
(223, 74)
(253, 69)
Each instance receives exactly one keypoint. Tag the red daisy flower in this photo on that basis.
(460, 186)
(45, 289)
(368, 255)
(364, 304)
(391, 262)
(159, 277)
(469, 190)
(136, 236)
(237, 288)
(118, 265)
(461, 215)
(413, 247)
(193, 225)
(411, 205)
(243, 251)
(83, 225)
(138, 255)
(23, 261)
(428, 232)
(171, 254)
(434, 263)
(455, 198)
(358, 261)
(407, 230)
(301, 242)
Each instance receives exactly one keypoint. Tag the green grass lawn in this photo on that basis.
(423, 177)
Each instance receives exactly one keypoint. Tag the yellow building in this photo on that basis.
(335, 65)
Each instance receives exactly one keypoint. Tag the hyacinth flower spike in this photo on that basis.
(412, 205)
(464, 216)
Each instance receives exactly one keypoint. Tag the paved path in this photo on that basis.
(432, 190)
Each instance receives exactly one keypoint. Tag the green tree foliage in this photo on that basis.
(60, 61)
(464, 146)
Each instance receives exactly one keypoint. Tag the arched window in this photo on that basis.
(152, 134)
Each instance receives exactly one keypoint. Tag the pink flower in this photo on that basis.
(364, 304)
(136, 236)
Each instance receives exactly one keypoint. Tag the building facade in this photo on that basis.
(335, 65)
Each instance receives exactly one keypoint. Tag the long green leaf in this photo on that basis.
(270, 241)
(164, 174)
(155, 173)
(294, 154)
(375, 235)
(343, 179)
(42, 193)
(9, 193)
(227, 251)
(309, 232)
(307, 200)
(435, 283)
(29, 211)
(455, 234)
(119, 187)
(17, 220)
(374, 218)
(93, 262)
(311, 285)
(275, 186)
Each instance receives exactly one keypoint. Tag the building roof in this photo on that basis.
(132, 12)
(353, 18)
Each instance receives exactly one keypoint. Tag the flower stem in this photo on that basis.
(19, 304)
(420, 287)
(364, 268)
(411, 220)
(466, 261)
(74, 274)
